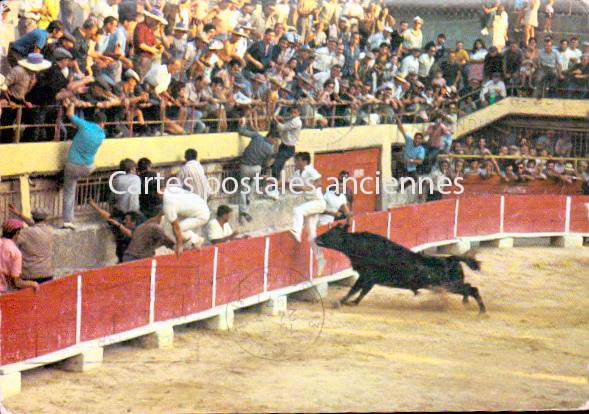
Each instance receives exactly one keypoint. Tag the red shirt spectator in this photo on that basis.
(143, 34)
(10, 263)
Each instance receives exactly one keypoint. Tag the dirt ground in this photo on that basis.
(393, 352)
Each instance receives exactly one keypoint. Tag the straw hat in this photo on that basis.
(130, 73)
(238, 31)
(181, 27)
(35, 62)
(156, 14)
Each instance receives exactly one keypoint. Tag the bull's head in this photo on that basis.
(334, 238)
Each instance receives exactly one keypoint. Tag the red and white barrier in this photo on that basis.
(119, 302)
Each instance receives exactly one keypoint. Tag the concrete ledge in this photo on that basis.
(567, 241)
(277, 305)
(348, 282)
(313, 294)
(223, 321)
(163, 338)
(10, 384)
(88, 360)
(456, 249)
(502, 243)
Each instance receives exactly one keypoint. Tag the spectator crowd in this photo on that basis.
(182, 67)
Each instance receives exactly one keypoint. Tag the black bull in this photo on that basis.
(380, 261)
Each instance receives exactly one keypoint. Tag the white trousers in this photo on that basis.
(308, 213)
(189, 226)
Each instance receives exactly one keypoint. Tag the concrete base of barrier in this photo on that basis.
(277, 305)
(88, 360)
(223, 321)
(348, 282)
(312, 294)
(10, 384)
(503, 243)
(567, 241)
(456, 249)
(163, 338)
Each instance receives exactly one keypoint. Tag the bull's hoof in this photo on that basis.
(465, 301)
(354, 303)
(482, 311)
(336, 304)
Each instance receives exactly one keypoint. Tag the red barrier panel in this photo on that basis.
(534, 214)
(334, 261)
(403, 222)
(56, 309)
(184, 286)
(18, 326)
(373, 223)
(288, 263)
(579, 214)
(478, 216)
(240, 269)
(424, 223)
(35, 324)
(115, 299)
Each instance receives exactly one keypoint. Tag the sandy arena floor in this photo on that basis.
(393, 352)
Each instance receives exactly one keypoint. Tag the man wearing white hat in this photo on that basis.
(21, 79)
(413, 38)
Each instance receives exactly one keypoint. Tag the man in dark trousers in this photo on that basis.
(289, 135)
(257, 155)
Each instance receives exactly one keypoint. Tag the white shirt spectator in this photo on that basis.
(322, 77)
(410, 64)
(102, 10)
(493, 88)
(333, 203)
(159, 77)
(376, 39)
(576, 53)
(189, 209)
(193, 178)
(308, 176)
(565, 58)
(130, 187)
(290, 131)
(325, 59)
(412, 39)
(214, 231)
(353, 10)
(425, 64)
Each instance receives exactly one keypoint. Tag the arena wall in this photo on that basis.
(116, 303)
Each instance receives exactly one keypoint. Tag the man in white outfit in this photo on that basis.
(185, 213)
(193, 177)
(336, 202)
(307, 179)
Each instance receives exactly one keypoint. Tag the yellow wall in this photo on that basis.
(48, 157)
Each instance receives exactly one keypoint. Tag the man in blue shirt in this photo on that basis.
(414, 151)
(80, 158)
(33, 42)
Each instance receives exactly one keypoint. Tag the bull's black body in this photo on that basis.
(380, 261)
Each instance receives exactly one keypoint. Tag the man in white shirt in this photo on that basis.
(565, 54)
(219, 230)
(576, 53)
(160, 76)
(413, 38)
(426, 62)
(193, 177)
(326, 57)
(306, 180)
(336, 202)
(334, 74)
(289, 135)
(106, 8)
(410, 63)
(185, 213)
(494, 89)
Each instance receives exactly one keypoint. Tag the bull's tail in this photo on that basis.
(471, 262)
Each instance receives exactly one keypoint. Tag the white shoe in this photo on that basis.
(485, 32)
(296, 235)
(69, 225)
